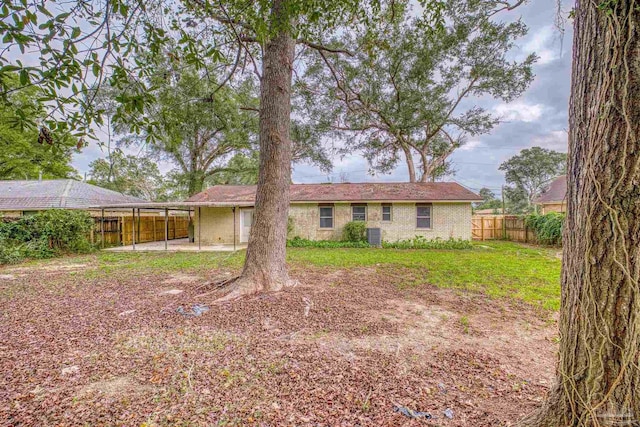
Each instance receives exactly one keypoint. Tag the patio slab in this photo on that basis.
(177, 245)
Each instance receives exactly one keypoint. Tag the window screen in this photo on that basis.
(423, 215)
(358, 213)
(386, 212)
(326, 216)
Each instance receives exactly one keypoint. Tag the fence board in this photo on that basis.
(117, 230)
(508, 227)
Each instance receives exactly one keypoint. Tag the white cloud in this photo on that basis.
(555, 140)
(519, 111)
(542, 43)
(471, 145)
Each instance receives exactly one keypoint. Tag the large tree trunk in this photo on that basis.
(598, 380)
(265, 267)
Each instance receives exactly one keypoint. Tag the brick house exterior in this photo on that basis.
(320, 211)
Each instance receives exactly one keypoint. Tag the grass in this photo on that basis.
(498, 269)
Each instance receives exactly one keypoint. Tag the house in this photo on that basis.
(320, 211)
(19, 198)
(490, 211)
(553, 199)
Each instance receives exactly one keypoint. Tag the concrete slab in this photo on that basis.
(176, 245)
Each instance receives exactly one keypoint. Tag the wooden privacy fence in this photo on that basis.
(505, 227)
(118, 230)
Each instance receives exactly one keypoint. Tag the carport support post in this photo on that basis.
(133, 228)
(199, 228)
(102, 227)
(234, 228)
(166, 228)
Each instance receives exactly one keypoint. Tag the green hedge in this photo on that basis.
(298, 242)
(418, 242)
(355, 231)
(421, 242)
(548, 227)
(45, 235)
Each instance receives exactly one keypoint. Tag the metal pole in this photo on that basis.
(199, 228)
(133, 228)
(166, 227)
(102, 226)
(139, 240)
(234, 228)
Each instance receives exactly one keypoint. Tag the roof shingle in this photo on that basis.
(347, 192)
(57, 193)
(556, 192)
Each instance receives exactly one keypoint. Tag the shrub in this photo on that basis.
(548, 227)
(355, 231)
(298, 242)
(44, 235)
(421, 242)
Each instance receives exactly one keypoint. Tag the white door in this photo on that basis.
(246, 219)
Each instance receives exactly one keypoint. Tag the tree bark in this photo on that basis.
(265, 266)
(410, 166)
(598, 378)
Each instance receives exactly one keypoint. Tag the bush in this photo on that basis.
(548, 227)
(298, 242)
(421, 242)
(44, 235)
(355, 231)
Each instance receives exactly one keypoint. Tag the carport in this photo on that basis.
(166, 208)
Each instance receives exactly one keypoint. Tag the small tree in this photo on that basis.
(533, 169)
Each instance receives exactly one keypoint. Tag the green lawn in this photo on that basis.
(498, 269)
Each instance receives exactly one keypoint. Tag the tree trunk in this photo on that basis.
(598, 378)
(265, 266)
(410, 166)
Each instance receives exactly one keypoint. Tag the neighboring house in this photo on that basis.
(553, 199)
(320, 211)
(19, 198)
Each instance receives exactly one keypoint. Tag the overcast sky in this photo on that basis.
(537, 118)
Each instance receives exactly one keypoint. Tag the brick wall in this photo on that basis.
(447, 219)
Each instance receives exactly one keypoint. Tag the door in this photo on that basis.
(246, 220)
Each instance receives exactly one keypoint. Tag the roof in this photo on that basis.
(347, 192)
(57, 193)
(556, 192)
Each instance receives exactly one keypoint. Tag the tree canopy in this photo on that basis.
(532, 170)
(415, 100)
(23, 155)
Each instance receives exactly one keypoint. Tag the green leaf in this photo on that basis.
(24, 77)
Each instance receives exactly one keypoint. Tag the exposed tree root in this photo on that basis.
(238, 287)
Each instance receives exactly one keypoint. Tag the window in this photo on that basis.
(358, 212)
(326, 216)
(386, 212)
(423, 215)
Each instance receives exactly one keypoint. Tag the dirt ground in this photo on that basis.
(344, 348)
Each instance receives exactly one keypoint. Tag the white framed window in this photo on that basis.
(387, 212)
(423, 216)
(358, 212)
(326, 216)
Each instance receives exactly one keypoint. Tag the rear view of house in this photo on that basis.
(320, 211)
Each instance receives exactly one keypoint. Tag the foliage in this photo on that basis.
(22, 155)
(489, 200)
(355, 231)
(298, 242)
(516, 201)
(415, 98)
(136, 176)
(533, 169)
(548, 227)
(421, 242)
(45, 234)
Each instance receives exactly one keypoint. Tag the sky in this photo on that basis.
(538, 118)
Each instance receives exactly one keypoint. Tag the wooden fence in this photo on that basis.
(501, 227)
(118, 230)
